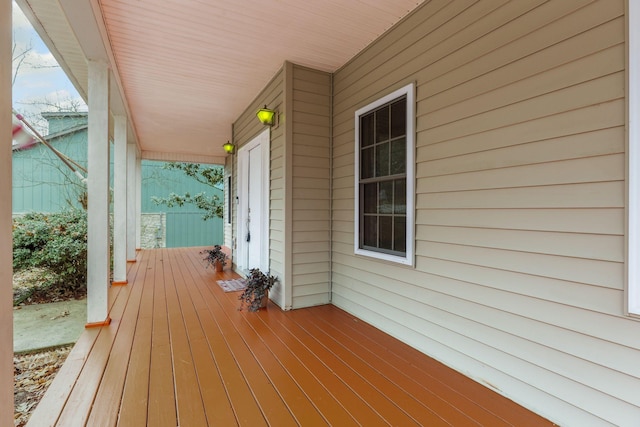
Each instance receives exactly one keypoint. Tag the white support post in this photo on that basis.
(98, 190)
(132, 196)
(139, 202)
(120, 200)
(6, 243)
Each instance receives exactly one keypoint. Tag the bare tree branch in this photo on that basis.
(18, 58)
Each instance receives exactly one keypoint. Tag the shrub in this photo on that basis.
(56, 242)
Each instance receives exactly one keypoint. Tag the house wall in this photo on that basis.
(300, 205)
(61, 121)
(42, 183)
(310, 176)
(245, 129)
(519, 277)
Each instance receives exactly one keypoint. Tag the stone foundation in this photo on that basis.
(153, 230)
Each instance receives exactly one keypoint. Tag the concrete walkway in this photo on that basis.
(41, 326)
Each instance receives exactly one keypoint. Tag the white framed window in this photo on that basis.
(385, 177)
(633, 199)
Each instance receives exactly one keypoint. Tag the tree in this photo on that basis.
(18, 57)
(25, 59)
(57, 102)
(211, 205)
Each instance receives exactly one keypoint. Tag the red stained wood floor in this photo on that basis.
(179, 353)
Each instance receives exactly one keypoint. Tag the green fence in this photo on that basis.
(188, 229)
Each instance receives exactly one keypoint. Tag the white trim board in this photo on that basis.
(633, 168)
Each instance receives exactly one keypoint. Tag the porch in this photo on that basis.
(178, 352)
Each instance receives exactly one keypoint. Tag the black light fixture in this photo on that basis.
(265, 116)
(229, 148)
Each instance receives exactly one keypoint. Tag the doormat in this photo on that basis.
(232, 285)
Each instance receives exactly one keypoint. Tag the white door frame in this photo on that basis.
(263, 142)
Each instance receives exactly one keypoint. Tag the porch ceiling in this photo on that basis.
(186, 69)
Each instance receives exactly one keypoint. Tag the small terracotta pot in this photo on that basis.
(219, 266)
(264, 300)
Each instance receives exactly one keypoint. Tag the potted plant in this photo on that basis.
(215, 257)
(256, 295)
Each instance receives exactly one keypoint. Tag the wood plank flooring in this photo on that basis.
(179, 353)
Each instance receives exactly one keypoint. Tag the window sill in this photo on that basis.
(385, 257)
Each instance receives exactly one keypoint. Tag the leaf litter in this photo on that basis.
(34, 372)
(32, 375)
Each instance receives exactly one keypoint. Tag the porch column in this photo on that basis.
(120, 200)
(132, 195)
(139, 202)
(98, 191)
(6, 243)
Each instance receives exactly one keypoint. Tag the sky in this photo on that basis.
(39, 77)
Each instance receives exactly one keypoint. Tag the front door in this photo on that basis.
(253, 203)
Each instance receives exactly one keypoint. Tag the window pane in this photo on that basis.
(382, 159)
(398, 156)
(370, 237)
(400, 233)
(386, 232)
(366, 163)
(382, 124)
(370, 198)
(399, 118)
(383, 173)
(400, 199)
(385, 197)
(366, 130)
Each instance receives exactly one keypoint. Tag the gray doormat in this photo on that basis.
(232, 285)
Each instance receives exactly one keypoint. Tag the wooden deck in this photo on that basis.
(179, 353)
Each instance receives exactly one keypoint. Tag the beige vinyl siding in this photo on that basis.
(310, 173)
(520, 166)
(245, 128)
(300, 202)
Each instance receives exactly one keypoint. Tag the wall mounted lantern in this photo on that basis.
(229, 148)
(265, 116)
